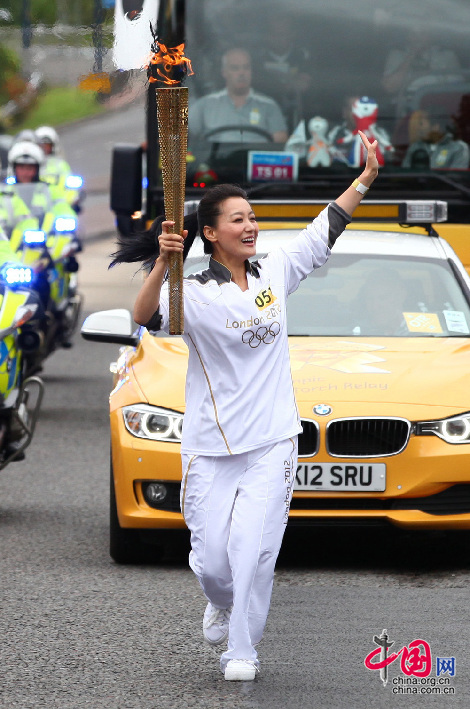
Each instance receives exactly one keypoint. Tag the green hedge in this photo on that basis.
(47, 12)
(58, 105)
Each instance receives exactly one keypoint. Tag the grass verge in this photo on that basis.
(58, 105)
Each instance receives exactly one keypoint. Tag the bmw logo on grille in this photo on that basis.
(322, 409)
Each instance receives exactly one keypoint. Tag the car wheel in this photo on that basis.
(126, 545)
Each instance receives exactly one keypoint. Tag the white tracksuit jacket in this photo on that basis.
(239, 392)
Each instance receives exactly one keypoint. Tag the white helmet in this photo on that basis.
(26, 134)
(46, 134)
(25, 153)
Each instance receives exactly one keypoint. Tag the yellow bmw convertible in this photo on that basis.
(380, 356)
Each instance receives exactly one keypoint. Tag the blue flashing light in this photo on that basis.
(34, 236)
(16, 275)
(65, 224)
(74, 182)
(11, 180)
(145, 183)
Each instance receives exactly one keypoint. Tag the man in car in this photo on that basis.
(434, 144)
(378, 309)
(237, 113)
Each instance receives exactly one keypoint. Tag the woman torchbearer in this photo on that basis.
(239, 442)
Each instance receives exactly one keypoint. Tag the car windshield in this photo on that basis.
(380, 296)
(367, 296)
(281, 88)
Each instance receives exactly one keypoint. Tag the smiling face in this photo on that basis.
(235, 234)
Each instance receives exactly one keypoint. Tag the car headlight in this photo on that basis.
(151, 422)
(451, 430)
(65, 224)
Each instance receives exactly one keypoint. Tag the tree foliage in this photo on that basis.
(10, 81)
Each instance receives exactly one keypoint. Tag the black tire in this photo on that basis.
(125, 545)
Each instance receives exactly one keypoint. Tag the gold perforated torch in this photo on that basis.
(169, 67)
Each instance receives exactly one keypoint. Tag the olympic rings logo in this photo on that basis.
(263, 334)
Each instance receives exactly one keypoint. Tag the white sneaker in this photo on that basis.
(215, 624)
(241, 670)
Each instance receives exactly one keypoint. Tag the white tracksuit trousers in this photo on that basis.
(236, 507)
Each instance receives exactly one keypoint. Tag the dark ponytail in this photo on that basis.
(143, 246)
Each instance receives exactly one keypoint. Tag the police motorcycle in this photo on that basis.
(48, 244)
(56, 171)
(20, 395)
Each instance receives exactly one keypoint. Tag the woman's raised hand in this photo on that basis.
(372, 164)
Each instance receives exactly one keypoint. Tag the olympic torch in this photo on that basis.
(172, 118)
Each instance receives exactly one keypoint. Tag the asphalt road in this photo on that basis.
(88, 143)
(79, 631)
(88, 147)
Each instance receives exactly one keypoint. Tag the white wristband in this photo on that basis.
(359, 187)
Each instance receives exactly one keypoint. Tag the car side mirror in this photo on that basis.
(114, 326)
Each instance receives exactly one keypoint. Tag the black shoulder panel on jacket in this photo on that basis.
(338, 220)
(155, 321)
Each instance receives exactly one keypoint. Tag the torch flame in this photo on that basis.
(169, 58)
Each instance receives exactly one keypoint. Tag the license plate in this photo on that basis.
(350, 477)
